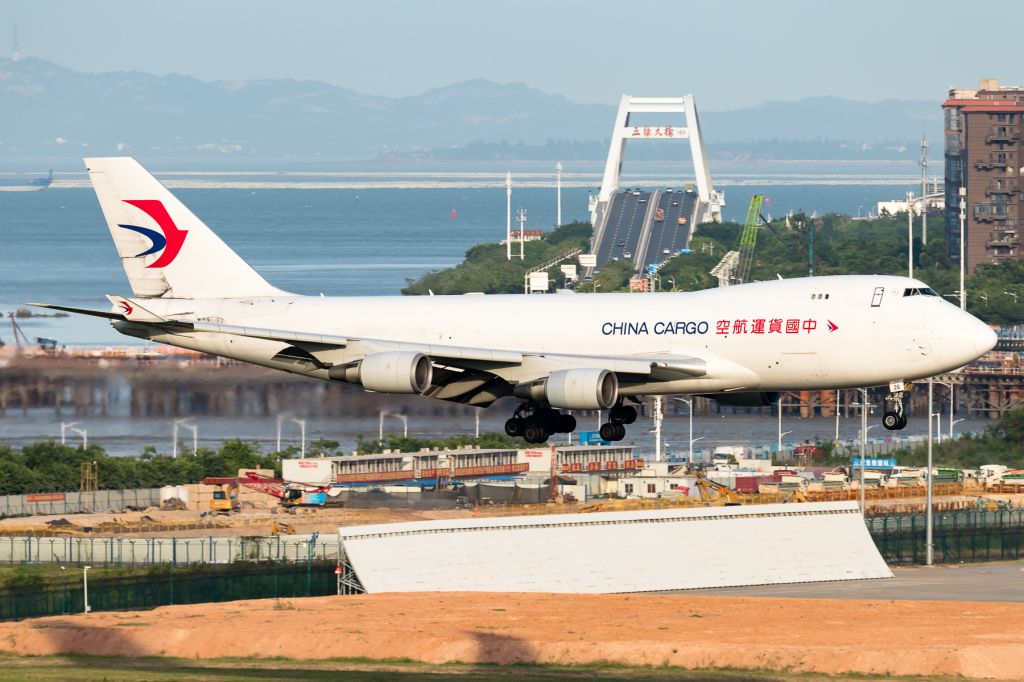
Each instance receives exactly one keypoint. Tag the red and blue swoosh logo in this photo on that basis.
(169, 241)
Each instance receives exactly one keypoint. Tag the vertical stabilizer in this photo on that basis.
(165, 249)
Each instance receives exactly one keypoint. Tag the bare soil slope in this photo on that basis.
(980, 640)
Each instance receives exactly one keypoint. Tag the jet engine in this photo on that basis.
(758, 399)
(388, 372)
(574, 389)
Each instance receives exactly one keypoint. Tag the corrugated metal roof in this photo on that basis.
(618, 551)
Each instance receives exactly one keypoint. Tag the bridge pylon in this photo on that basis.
(624, 130)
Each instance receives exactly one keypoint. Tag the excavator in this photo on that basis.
(711, 492)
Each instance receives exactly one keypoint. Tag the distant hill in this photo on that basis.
(50, 112)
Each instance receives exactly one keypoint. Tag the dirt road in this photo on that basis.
(980, 640)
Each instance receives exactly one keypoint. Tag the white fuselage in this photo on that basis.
(808, 333)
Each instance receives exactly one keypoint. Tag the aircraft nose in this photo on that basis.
(984, 338)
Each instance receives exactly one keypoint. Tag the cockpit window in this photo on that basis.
(927, 291)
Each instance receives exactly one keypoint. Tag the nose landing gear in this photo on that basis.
(894, 418)
(535, 424)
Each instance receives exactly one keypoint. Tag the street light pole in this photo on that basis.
(929, 549)
(657, 428)
(195, 436)
(63, 430)
(837, 415)
(85, 587)
(963, 218)
(558, 183)
(863, 442)
(778, 450)
(910, 234)
(508, 215)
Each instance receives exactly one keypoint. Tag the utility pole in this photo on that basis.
(558, 186)
(521, 217)
(810, 253)
(910, 234)
(963, 217)
(657, 428)
(929, 548)
(924, 190)
(863, 441)
(508, 215)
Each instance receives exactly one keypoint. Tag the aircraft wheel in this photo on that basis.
(902, 423)
(515, 426)
(612, 432)
(566, 423)
(623, 414)
(893, 422)
(535, 433)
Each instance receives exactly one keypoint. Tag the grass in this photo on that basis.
(108, 669)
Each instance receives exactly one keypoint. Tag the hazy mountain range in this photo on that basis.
(49, 112)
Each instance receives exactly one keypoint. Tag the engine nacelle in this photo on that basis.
(396, 371)
(574, 389)
(756, 399)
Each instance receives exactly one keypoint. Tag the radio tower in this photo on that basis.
(924, 189)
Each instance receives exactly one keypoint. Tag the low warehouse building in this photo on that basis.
(608, 552)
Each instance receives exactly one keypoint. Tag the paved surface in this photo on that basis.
(669, 235)
(622, 232)
(974, 582)
(626, 232)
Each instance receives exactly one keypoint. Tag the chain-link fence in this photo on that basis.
(172, 586)
(958, 536)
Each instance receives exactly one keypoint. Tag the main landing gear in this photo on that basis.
(535, 424)
(620, 415)
(894, 418)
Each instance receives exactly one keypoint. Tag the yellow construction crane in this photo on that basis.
(748, 240)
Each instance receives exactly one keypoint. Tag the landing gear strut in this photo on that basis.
(535, 424)
(894, 418)
(620, 415)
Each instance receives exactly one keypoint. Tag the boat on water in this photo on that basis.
(16, 184)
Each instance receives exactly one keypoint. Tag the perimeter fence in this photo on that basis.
(75, 503)
(171, 585)
(958, 536)
(145, 551)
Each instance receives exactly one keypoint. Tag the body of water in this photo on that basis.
(365, 240)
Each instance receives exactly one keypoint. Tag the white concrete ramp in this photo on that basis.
(609, 552)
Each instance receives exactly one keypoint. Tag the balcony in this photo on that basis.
(1002, 188)
(1009, 136)
(988, 164)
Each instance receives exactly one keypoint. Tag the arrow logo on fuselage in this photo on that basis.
(832, 326)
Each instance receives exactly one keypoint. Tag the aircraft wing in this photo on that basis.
(475, 376)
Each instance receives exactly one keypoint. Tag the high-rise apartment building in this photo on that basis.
(985, 154)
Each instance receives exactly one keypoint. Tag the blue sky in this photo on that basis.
(729, 54)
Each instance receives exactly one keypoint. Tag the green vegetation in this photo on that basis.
(486, 269)
(1000, 443)
(497, 441)
(842, 245)
(52, 467)
(113, 669)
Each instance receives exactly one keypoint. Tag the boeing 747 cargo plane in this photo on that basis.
(740, 344)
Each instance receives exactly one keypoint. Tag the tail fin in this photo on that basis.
(166, 251)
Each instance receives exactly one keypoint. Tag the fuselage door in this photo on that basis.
(876, 298)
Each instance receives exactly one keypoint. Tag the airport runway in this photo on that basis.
(985, 582)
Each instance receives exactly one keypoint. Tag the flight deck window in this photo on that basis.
(928, 291)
